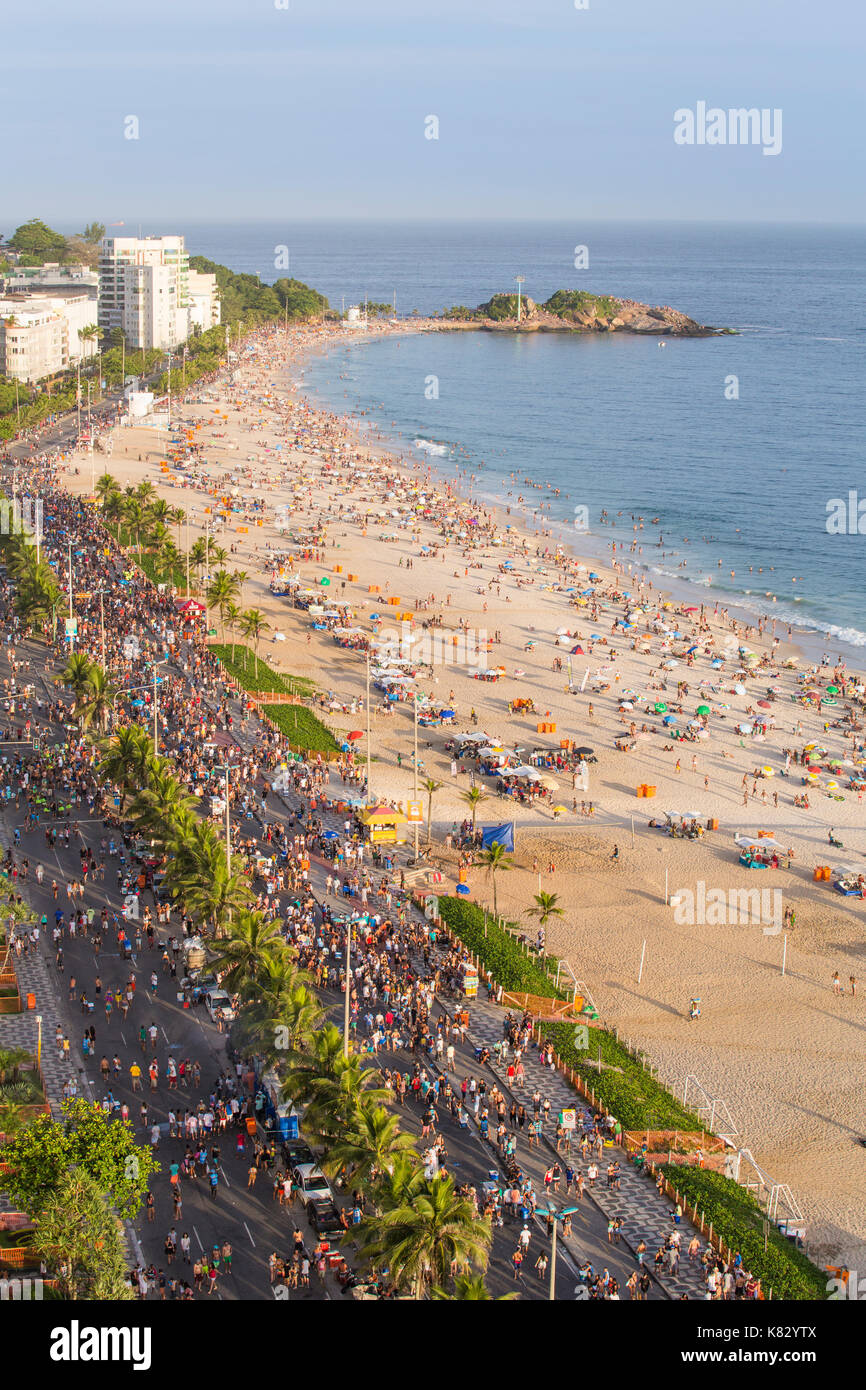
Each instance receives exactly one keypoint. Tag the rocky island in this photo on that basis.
(577, 311)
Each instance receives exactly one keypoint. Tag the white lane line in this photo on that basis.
(165, 1035)
(123, 1036)
(198, 1238)
(247, 1229)
(225, 1176)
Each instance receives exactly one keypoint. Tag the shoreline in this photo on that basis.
(759, 1044)
(809, 643)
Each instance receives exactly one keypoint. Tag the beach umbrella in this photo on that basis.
(661, 707)
(717, 663)
(763, 704)
(832, 690)
(626, 704)
(703, 709)
(768, 772)
(690, 610)
(584, 752)
(669, 719)
(356, 733)
(739, 689)
(560, 810)
(832, 786)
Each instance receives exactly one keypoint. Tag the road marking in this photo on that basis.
(125, 1044)
(247, 1229)
(198, 1238)
(225, 1177)
(165, 1035)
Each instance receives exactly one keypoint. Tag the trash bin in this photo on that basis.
(31, 1001)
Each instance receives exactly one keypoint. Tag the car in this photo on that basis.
(324, 1216)
(295, 1152)
(311, 1182)
(217, 1001)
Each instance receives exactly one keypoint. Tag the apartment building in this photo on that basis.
(204, 301)
(144, 290)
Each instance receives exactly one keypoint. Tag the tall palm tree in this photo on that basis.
(421, 1240)
(251, 941)
(198, 875)
(158, 806)
(76, 674)
(97, 702)
(160, 510)
(222, 590)
(546, 906)
(233, 616)
(198, 554)
(317, 1062)
(496, 860)
(431, 787)
(104, 485)
(127, 758)
(253, 625)
(218, 554)
(368, 1146)
(473, 798)
(145, 492)
(135, 519)
(113, 507)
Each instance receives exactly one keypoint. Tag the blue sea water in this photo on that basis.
(617, 422)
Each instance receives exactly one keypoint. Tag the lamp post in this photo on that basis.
(368, 727)
(224, 769)
(347, 1002)
(71, 633)
(556, 1216)
(38, 1041)
(415, 769)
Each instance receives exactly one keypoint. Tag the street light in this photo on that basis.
(225, 770)
(38, 1041)
(556, 1216)
(348, 987)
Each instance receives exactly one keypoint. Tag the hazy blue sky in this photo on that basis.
(318, 110)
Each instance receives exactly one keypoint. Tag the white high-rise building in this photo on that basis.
(144, 290)
(40, 334)
(204, 301)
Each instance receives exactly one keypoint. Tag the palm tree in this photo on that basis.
(218, 554)
(159, 806)
(310, 1066)
(11, 1059)
(546, 906)
(97, 701)
(145, 491)
(369, 1145)
(160, 510)
(104, 485)
(198, 875)
(113, 507)
(473, 798)
(250, 942)
(421, 1240)
(431, 787)
(496, 860)
(222, 590)
(253, 624)
(472, 1286)
(232, 618)
(135, 519)
(198, 554)
(177, 518)
(127, 759)
(76, 675)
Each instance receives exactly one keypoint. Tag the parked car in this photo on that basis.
(295, 1152)
(324, 1216)
(311, 1182)
(217, 1001)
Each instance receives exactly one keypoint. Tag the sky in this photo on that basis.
(247, 110)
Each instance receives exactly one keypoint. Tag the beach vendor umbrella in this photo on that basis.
(832, 786)
(832, 690)
(768, 772)
(356, 733)
(560, 810)
(717, 663)
(763, 704)
(584, 752)
(660, 708)
(669, 719)
(703, 709)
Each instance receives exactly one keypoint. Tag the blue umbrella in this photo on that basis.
(330, 835)
(669, 719)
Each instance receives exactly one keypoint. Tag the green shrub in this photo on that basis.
(497, 950)
(239, 662)
(738, 1220)
(623, 1086)
(301, 728)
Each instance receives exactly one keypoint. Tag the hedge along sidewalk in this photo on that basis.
(240, 664)
(736, 1224)
(629, 1092)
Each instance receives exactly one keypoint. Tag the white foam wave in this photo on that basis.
(429, 446)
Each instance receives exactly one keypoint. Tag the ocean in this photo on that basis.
(743, 447)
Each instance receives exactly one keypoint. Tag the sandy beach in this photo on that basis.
(783, 1052)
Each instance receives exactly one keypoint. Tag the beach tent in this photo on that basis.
(498, 835)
